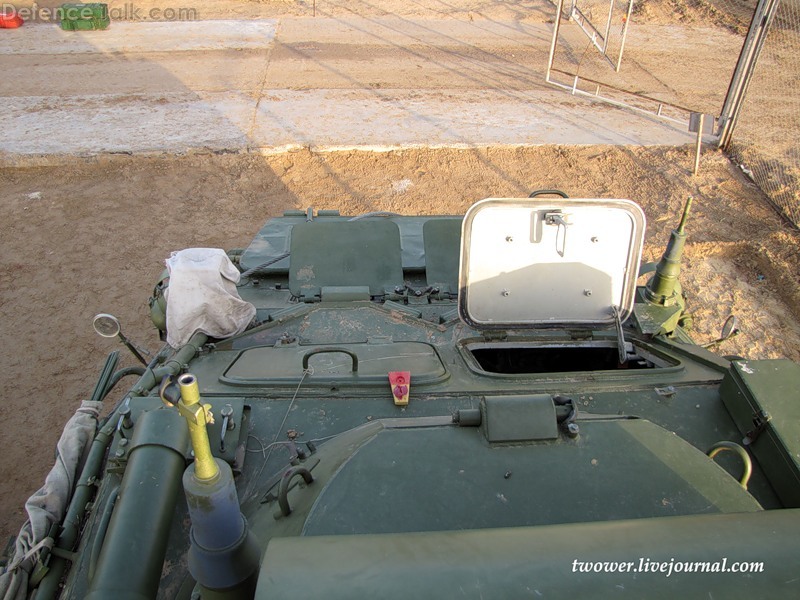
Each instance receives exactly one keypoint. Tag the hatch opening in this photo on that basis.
(526, 358)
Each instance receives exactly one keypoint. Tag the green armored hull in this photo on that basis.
(384, 406)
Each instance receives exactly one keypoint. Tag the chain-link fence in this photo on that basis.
(677, 55)
(765, 137)
(738, 60)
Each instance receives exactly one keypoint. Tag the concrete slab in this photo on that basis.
(320, 119)
(124, 124)
(396, 119)
(134, 37)
(370, 83)
(404, 31)
(76, 75)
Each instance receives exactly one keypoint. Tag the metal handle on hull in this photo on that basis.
(740, 452)
(329, 349)
(283, 490)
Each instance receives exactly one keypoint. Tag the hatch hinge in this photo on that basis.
(581, 334)
(309, 294)
(495, 336)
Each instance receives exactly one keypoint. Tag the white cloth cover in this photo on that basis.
(49, 504)
(202, 296)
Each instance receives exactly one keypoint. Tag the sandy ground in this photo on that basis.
(86, 235)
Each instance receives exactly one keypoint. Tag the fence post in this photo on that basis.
(743, 73)
(624, 35)
(556, 27)
(699, 145)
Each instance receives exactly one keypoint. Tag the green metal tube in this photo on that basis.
(106, 377)
(137, 532)
(662, 287)
(173, 366)
(70, 528)
(120, 374)
(85, 489)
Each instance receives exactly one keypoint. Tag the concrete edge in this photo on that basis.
(29, 161)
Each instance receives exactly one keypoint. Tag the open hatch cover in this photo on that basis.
(546, 262)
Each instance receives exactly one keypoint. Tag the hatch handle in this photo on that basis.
(283, 489)
(747, 463)
(557, 218)
(537, 193)
(327, 350)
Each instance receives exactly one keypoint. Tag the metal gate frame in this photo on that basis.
(737, 89)
(593, 34)
(575, 90)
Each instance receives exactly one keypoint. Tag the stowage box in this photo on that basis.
(763, 397)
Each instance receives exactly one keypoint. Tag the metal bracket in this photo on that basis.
(310, 296)
(193, 413)
(228, 424)
(623, 355)
(760, 420)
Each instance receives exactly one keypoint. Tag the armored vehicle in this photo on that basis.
(386, 406)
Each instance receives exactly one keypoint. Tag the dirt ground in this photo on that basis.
(89, 237)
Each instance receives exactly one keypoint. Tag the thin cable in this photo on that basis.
(308, 371)
(264, 447)
(262, 266)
